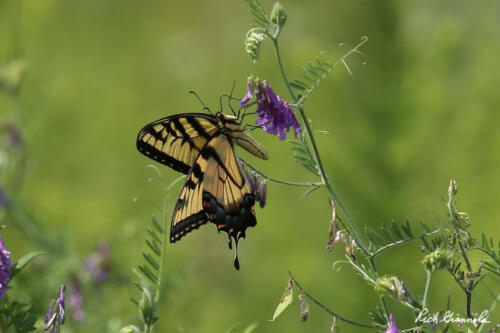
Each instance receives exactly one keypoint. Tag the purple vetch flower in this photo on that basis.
(5, 266)
(393, 327)
(13, 135)
(274, 115)
(3, 199)
(55, 315)
(76, 299)
(257, 187)
(98, 264)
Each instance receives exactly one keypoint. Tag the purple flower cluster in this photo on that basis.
(76, 299)
(393, 327)
(5, 266)
(98, 264)
(274, 115)
(55, 315)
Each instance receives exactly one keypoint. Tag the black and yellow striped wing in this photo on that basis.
(177, 140)
(215, 191)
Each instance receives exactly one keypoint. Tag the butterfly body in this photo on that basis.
(215, 190)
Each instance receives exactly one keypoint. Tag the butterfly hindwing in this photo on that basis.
(214, 191)
(188, 212)
(177, 140)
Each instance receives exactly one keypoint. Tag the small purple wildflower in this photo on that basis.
(13, 135)
(76, 299)
(3, 199)
(257, 187)
(393, 327)
(55, 315)
(5, 266)
(274, 115)
(98, 264)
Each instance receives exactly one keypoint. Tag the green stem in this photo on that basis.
(468, 289)
(399, 242)
(466, 258)
(323, 174)
(324, 307)
(164, 240)
(282, 69)
(426, 291)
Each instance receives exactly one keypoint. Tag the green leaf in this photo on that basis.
(313, 70)
(151, 261)
(373, 236)
(285, 301)
(233, 328)
(158, 226)
(297, 86)
(378, 317)
(250, 328)
(153, 247)
(302, 83)
(309, 76)
(407, 229)
(147, 273)
(154, 235)
(495, 269)
(23, 262)
(387, 232)
(324, 65)
(22, 318)
(306, 164)
(310, 190)
(396, 230)
(298, 149)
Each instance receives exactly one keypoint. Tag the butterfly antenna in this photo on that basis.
(244, 108)
(205, 108)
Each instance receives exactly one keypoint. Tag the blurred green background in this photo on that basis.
(423, 109)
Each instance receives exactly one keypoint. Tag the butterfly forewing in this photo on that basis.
(177, 140)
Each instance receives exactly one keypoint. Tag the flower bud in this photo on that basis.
(463, 218)
(304, 308)
(11, 76)
(253, 40)
(334, 324)
(453, 188)
(392, 286)
(439, 259)
(278, 15)
(130, 329)
(393, 326)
